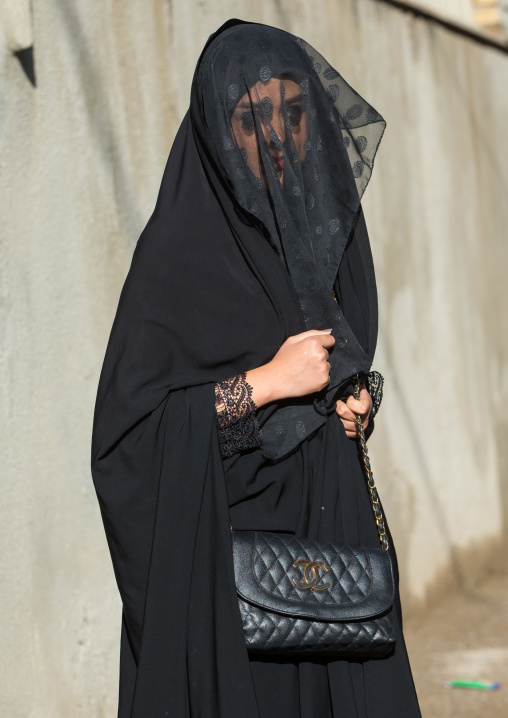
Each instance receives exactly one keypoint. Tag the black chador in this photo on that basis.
(231, 263)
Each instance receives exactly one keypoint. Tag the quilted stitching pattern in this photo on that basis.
(274, 633)
(350, 575)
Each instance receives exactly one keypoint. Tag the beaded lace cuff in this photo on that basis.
(375, 382)
(236, 417)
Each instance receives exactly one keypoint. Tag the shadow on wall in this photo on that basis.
(26, 60)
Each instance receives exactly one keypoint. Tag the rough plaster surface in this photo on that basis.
(81, 157)
(461, 11)
(16, 24)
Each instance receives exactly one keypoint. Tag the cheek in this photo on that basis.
(300, 137)
(250, 145)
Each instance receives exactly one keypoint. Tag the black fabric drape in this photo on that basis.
(207, 297)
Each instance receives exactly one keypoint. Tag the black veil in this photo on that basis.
(325, 136)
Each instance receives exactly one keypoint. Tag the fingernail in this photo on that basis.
(327, 330)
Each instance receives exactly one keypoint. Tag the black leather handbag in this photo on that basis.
(300, 596)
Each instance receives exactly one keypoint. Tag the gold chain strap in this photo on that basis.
(374, 497)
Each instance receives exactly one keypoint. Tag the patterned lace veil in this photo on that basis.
(327, 146)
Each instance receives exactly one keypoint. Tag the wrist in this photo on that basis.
(263, 389)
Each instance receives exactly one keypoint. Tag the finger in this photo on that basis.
(366, 397)
(339, 408)
(351, 431)
(322, 340)
(310, 333)
(359, 407)
(350, 426)
(344, 412)
(326, 340)
(353, 426)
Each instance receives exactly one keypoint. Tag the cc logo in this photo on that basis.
(310, 574)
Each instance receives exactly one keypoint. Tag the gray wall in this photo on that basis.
(459, 10)
(81, 158)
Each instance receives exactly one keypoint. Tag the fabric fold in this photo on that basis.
(187, 556)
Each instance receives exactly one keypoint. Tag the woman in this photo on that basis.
(225, 394)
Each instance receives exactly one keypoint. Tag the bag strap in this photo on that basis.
(374, 497)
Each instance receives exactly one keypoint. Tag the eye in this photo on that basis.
(267, 106)
(295, 113)
(248, 121)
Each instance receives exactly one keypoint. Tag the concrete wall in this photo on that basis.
(458, 10)
(81, 156)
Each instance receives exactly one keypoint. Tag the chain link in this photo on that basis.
(374, 497)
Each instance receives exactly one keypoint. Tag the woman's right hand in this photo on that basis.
(300, 367)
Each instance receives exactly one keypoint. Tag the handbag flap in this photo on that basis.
(312, 579)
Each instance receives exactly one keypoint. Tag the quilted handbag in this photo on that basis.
(300, 596)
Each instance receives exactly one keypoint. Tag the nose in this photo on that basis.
(277, 126)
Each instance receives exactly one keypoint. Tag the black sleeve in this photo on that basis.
(236, 416)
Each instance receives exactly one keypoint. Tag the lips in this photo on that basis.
(278, 162)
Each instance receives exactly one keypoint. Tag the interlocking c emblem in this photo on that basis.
(310, 574)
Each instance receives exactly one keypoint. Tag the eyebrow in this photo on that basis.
(296, 98)
(257, 105)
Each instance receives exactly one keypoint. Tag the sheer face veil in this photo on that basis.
(294, 144)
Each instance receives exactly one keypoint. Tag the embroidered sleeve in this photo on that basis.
(236, 416)
(375, 383)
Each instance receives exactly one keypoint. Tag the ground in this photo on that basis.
(464, 637)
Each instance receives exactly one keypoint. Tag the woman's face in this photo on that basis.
(272, 102)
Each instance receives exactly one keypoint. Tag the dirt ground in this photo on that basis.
(465, 637)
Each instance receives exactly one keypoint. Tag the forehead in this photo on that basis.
(271, 89)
